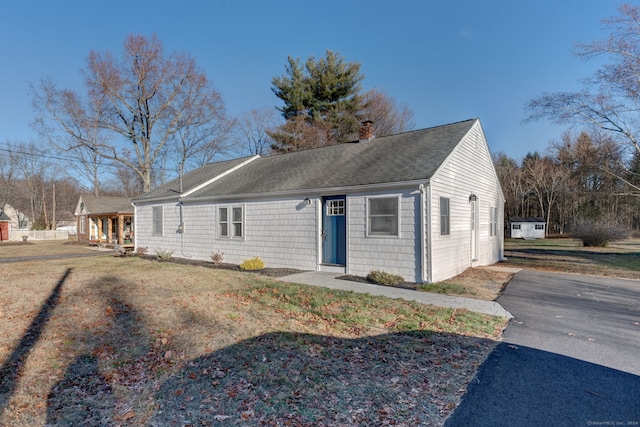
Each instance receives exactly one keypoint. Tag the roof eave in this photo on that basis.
(312, 191)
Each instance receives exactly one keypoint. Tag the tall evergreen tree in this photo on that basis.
(324, 99)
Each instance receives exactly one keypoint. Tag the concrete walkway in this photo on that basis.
(329, 280)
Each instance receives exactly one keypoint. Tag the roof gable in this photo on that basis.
(103, 204)
(194, 179)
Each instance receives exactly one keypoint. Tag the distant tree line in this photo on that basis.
(583, 179)
(591, 178)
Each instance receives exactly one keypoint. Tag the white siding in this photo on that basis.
(285, 232)
(468, 170)
(281, 232)
(393, 254)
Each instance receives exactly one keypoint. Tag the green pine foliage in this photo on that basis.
(322, 100)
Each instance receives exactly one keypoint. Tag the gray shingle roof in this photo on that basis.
(404, 157)
(4, 216)
(526, 219)
(192, 179)
(103, 204)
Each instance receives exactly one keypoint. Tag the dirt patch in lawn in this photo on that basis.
(486, 283)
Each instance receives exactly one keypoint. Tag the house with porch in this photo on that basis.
(425, 205)
(105, 221)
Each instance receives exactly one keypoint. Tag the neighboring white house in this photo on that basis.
(19, 220)
(529, 228)
(425, 205)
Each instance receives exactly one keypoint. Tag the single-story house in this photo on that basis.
(528, 228)
(425, 204)
(105, 220)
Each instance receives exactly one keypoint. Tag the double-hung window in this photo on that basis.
(382, 216)
(157, 221)
(445, 217)
(231, 221)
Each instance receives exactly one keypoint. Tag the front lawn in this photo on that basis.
(128, 341)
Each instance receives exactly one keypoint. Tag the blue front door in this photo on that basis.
(334, 230)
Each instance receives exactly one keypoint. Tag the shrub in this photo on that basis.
(217, 257)
(164, 254)
(252, 264)
(384, 278)
(600, 234)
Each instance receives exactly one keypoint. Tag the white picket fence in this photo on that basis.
(30, 235)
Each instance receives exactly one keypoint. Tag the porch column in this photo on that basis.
(120, 230)
(109, 230)
(99, 222)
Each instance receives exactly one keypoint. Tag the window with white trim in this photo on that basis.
(515, 226)
(493, 224)
(231, 221)
(382, 218)
(539, 226)
(83, 223)
(445, 217)
(157, 221)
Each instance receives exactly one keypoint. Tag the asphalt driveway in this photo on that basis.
(570, 357)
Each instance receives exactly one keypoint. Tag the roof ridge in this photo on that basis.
(355, 142)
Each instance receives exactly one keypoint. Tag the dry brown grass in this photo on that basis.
(43, 248)
(619, 259)
(128, 341)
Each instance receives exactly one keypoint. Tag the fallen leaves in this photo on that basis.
(309, 380)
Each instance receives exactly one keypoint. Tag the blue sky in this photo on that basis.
(447, 60)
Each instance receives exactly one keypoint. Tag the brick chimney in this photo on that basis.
(366, 131)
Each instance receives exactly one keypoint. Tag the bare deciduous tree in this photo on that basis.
(610, 100)
(140, 103)
(252, 130)
(8, 173)
(388, 117)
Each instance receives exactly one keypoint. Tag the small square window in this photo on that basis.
(335, 207)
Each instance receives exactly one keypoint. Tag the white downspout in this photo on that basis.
(318, 219)
(135, 227)
(427, 236)
(423, 237)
